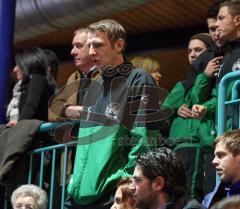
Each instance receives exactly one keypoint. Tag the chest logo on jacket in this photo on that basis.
(236, 65)
(112, 110)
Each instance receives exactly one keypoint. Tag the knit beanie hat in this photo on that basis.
(204, 37)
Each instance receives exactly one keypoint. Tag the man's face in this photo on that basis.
(227, 166)
(102, 52)
(80, 52)
(142, 188)
(212, 28)
(195, 48)
(226, 25)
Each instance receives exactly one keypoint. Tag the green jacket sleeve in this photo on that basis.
(201, 89)
(175, 98)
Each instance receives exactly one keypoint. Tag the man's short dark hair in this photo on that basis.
(214, 8)
(163, 162)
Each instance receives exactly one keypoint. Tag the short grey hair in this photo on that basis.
(30, 190)
(80, 30)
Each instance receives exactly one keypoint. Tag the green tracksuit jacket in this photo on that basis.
(119, 122)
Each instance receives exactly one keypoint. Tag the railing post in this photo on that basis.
(222, 94)
(7, 16)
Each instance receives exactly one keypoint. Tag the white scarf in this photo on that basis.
(13, 107)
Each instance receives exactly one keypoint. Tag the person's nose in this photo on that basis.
(73, 51)
(192, 56)
(15, 68)
(215, 162)
(92, 51)
(132, 187)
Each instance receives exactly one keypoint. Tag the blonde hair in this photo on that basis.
(147, 63)
(232, 202)
(231, 139)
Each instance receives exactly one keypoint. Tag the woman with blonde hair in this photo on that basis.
(149, 64)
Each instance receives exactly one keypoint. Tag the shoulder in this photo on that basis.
(73, 77)
(141, 76)
(193, 204)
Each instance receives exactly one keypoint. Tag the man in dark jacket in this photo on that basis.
(159, 181)
(118, 121)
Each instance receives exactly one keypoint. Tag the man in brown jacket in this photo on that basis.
(67, 102)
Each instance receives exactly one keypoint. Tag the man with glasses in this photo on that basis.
(159, 181)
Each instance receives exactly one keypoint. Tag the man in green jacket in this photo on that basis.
(119, 120)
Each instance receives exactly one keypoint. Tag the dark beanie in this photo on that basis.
(204, 37)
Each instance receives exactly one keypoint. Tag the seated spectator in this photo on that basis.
(159, 181)
(33, 89)
(228, 203)
(124, 197)
(29, 196)
(227, 165)
(149, 64)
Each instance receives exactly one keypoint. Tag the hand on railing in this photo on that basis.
(73, 112)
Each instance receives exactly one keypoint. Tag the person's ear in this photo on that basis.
(158, 183)
(119, 45)
(237, 20)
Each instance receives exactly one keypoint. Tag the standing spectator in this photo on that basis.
(198, 43)
(228, 27)
(114, 123)
(149, 64)
(153, 66)
(67, 103)
(184, 131)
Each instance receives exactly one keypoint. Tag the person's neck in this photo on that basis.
(118, 61)
(85, 69)
(161, 202)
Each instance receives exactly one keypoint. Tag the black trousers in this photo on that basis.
(200, 172)
(105, 203)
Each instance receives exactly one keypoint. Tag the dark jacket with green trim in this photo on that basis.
(119, 121)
